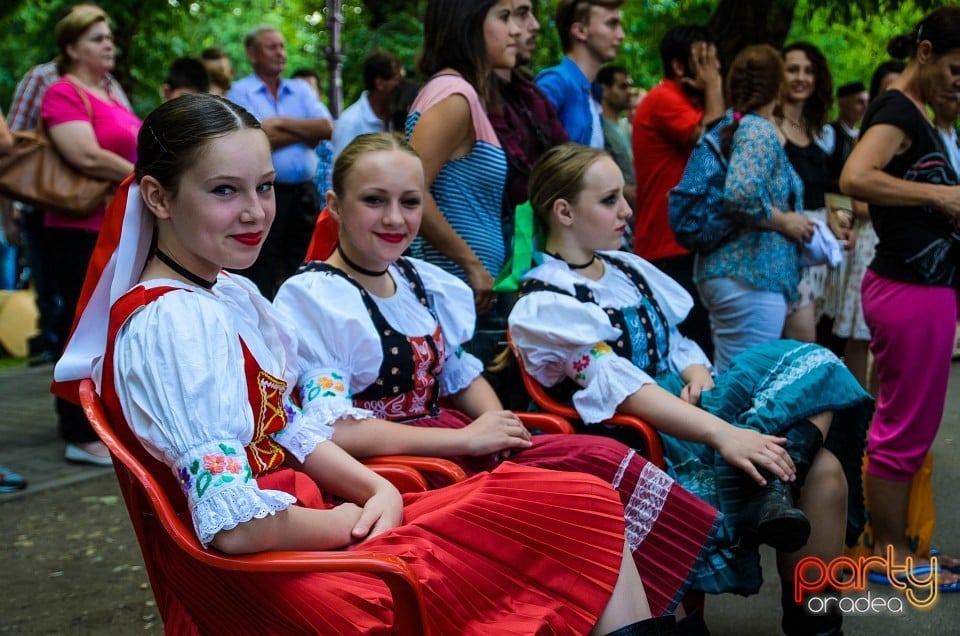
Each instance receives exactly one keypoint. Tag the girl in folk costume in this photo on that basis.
(604, 322)
(381, 342)
(200, 366)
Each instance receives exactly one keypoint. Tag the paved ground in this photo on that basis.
(29, 444)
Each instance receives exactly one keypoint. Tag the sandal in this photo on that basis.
(955, 569)
(11, 481)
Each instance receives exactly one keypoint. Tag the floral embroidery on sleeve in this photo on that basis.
(580, 365)
(216, 468)
(324, 385)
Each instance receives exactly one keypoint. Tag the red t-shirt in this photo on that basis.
(663, 125)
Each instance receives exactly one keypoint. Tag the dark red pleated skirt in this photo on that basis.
(667, 527)
(518, 550)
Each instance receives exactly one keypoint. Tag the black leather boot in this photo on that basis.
(797, 622)
(771, 515)
(804, 439)
(772, 518)
(661, 626)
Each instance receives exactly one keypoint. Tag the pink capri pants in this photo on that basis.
(912, 331)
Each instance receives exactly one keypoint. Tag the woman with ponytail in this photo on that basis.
(901, 169)
(747, 282)
(600, 326)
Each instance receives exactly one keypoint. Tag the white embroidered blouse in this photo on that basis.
(340, 349)
(559, 336)
(179, 371)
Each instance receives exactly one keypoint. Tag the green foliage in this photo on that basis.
(856, 45)
(401, 35)
(151, 33)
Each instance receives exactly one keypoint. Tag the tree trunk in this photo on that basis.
(738, 23)
(334, 56)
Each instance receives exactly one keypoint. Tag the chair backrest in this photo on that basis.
(152, 504)
(652, 446)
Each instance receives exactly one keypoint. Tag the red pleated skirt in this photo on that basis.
(515, 551)
(667, 527)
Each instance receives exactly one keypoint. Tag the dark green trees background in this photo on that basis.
(151, 33)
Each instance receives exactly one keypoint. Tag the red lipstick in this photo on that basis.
(251, 238)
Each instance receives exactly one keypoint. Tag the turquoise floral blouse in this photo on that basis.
(759, 178)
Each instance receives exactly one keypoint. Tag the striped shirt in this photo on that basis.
(468, 190)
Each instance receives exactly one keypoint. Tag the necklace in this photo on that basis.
(183, 271)
(357, 268)
(576, 265)
(793, 122)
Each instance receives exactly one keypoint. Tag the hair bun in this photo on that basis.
(901, 46)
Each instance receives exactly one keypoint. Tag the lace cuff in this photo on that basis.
(611, 379)
(221, 490)
(299, 439)
(459, 370)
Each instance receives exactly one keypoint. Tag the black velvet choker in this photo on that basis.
(357, 268)
(576, 265)
(183, 271)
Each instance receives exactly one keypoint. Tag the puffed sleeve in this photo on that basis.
(452, 301)
(338, 349)
(558, 336)
(752, 161)
(193, 415)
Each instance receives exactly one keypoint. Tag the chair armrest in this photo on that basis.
(653, 447)
(438, 465)
(404, 478)
(546, 422)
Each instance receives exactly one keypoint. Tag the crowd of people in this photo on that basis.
(370, 267)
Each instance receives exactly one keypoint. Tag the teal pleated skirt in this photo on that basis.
(767, 388)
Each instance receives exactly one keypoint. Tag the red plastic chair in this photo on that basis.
(652, 446)
(154, 499)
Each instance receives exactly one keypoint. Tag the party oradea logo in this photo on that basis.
(847, 581)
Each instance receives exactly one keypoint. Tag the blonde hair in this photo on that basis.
(71, 27)
(364, 144)
(558, 174)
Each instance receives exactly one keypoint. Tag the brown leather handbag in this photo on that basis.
(35, 173)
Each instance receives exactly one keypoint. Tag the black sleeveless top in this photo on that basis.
(811, 163)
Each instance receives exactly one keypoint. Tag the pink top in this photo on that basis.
(114, 126)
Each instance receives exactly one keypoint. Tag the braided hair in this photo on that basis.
(754, 80)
